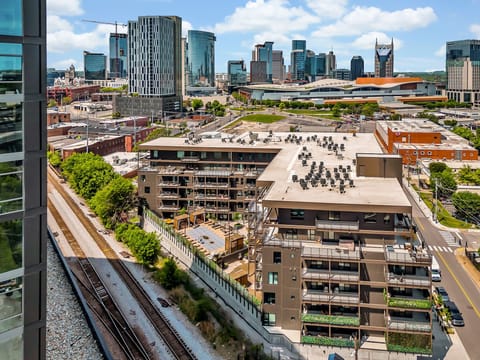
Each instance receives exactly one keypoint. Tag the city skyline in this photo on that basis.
(419, 30)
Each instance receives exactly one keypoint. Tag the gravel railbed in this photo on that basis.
(68, 334)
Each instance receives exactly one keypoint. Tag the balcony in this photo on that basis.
(168, 183)
(211, 185)
(333, 275)
(168, 208)
(190, 159)
(327, 341)
(168, 195)
(404, 256)
(334, 225)
(410, 302)
(407, 280)
(330, 252)
(331, 319)
(325, 296)
(402, 324)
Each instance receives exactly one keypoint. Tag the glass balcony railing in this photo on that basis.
(331, 319)
(327, 341)
(337, 225)
(409, 325)
(336, 297)
(334, 275)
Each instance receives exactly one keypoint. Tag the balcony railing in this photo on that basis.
(409, 280)
(168, 196)
(409, 325)
(211, 185)
(327, 341)
(168, 184)
(405, 303)
(331, 319)
(337, 225)
(405, 256)
(330, 252)
(337, 297)
(190, 158)
(168, 208)
(334, 275)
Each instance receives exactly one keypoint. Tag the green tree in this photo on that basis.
(144, 246)
(281, 106)
(67, 100)
(196, 104)
(113, 200)
(54, 158)
(170, 276)
(446, 183)
(467, 204)
(52, 103)
(437, 167)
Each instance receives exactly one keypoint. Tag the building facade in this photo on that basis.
(23, 164)
(297, 60)
(200, 60)
(237, 73)
(258, 72)
(383, 59)
(264, 52)
(463, 71)
(95, 66)
(357, 67)
(341, 74)
(330, 63)
(321, 60)
(118, 55)
(278, 66)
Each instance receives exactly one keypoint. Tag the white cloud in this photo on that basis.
(63, 41)
(367, 19)
(442, 51)
(64, 7)
(185, 27)
(64, 64)
(56, 23)
(327, 8)
(367, 41)
(475, 30)
(275, 16)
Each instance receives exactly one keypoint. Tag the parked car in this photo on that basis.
(442, 293)
(457, 318)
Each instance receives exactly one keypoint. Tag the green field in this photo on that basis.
(259, 118)
(315, 113)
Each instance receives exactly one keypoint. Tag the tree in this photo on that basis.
(168, 275)
(196, 104)
(52, 103)
(67, 100)
(115, 199)
(54, 158)
(467, 205)
(445, 180)
(144, 246)
(436, 167)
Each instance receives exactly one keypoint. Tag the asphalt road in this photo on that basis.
(455, 279)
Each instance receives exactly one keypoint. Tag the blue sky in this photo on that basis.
(419, 28)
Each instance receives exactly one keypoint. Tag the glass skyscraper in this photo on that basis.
(297, 59)
(383, 59)
(23, 179)
(237, 73)
(95, 66)
(200, 59)
(356, 67)
(118, 55)
(264, 52)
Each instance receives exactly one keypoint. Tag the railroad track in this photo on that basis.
(99, 299)
(172, 339)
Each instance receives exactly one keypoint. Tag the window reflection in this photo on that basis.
(11, 17)
(11, 235)
(12, 346)
(10, 68)
(10, 304)
(11, 186)
(10, 127)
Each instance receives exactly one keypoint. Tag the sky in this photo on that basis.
(419, 28)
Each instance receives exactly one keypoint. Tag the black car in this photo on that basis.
(457, 318)
(442, 293)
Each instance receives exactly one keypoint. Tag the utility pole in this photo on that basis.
(436, 200)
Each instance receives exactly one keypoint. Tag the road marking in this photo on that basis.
(459, 285)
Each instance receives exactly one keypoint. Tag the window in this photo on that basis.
(291, 234)
(268, 319)
(11, 195)
(142, 178)
(292, 297)
(11, 17)
(370, 218)
(386, 219)
(147, 190)
(277, 257)
(273, 278)
(269, 298)
(334, 215)
(297, 214)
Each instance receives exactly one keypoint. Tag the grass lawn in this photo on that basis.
(444, 217)
(315, 113)
(260, 118)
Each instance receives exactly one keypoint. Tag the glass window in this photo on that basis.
(269, 298)
(269, 319)
(273, 278)
(297, 214)
(147, 189)
(11, 235)
(11, 17)
(10, 68)
(10, 127)
(12, 345)
(277, 257)
(334, 215)
(370, 218)
(11, 187)
(11, 300)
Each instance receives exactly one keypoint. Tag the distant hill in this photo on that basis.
(434, 76)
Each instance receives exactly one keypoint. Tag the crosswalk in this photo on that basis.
(440, 248)
(449, 238)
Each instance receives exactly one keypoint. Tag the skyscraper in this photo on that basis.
(118, 55)
(297, 59)
(310, 65)
(200, 59)
(383, 59)
(155, 56)
(23, 165)
(95, 66)
(463, 71)
(356, 67)
(330, 63)
(278, 65)
(264, 52)
(321, 60)
(237, 73)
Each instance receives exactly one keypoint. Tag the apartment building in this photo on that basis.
(332, 251)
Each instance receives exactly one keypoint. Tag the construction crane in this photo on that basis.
(116, 24)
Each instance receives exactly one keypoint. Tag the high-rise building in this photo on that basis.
(341, 74)
(155, 56)
(383, 59)
(310, 65)
(278, 66)
(200, 60)
(321, 60)
(23, 183)
(95, 66)
(118, 55)
(237, 73)
(463, 71)
(330, 63)
(356, 67)
(297, 60)
(258, 71)
(264, 52)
